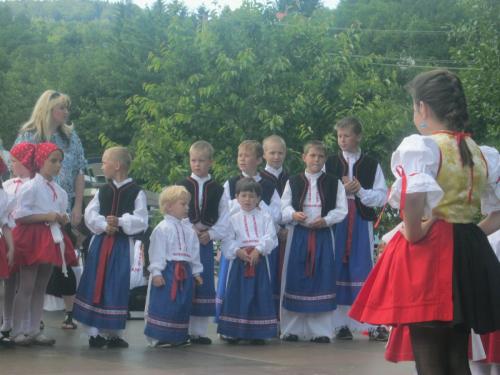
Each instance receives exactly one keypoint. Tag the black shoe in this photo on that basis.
(379, 334)
(200, 340)
(166, 344)
(290, 338)
(117, 342)
(344, 334)
(232, 340)
(97, 341)
(42, 325)
(321, 340)
(6, 342)
(5, 333)
(258, 342)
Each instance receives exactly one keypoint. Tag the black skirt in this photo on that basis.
(60, 285)
(476, 280)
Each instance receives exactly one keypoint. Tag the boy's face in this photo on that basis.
(200, 163)
(274, 154)
(314, 159)
(248, 200)
(248, 161)
(348, 140)
(178, 209)
(109, 165)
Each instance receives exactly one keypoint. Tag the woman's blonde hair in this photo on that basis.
(41, 116)
(172, 194)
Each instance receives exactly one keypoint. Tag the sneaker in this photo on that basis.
(200, 340)
(42, 340)
(344, 333)
(22, 340)
(290, 338)
(68, 322)
(321, 340)
(379, 334)
(97, 341)
(117, 342)
(6, 342)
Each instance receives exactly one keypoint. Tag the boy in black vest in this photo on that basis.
(312, 203)
(250, 154)
(209, 215)
(116, 213)
(365, 186)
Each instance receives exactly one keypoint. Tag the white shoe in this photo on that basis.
(41, 339)
(22, 340)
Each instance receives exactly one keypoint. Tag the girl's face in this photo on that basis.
(248, 200)
(18, 169)
(52, 165)
(60, 114)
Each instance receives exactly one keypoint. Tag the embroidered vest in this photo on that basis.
(327, 188)
(278, 182)
(212, 194)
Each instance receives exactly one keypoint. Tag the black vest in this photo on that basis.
(279, 182)
(267, 186)
(118, 201)
(364, 170)
(212, 194)
(327, 188)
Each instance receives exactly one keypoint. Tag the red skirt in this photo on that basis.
(399, 346)
(4, 262)
(491, 344)
(411, 282)
(35, 245)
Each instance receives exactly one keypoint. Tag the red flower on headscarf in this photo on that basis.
(25, 153)
(43, 150)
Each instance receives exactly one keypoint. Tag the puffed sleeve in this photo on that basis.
(417, 157)
(26, 201)
(229, 245)
(194, 246)
(269, 240)
(340, 211)
(490, 199)
(93, 219)
(137, 221)
(219, 229)
(157, 251)
(287, 210)
(7, 206)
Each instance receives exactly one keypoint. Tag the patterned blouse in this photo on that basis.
(74, 160)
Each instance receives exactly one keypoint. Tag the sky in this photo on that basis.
(193, 4)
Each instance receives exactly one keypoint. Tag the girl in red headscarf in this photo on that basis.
(22, 164)
(40, 243)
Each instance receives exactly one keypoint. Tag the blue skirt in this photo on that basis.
(204, 295)
(167, 320)
(221, 285)
(275, 267)
(310, 292)
(352, 272)
(111, 312)
(248, 309)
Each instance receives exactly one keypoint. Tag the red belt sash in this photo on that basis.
(180, 274)
(249, 269)
(311, 253)
(106, 248)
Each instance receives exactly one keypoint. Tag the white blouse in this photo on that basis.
(130, 223)
(174, 240)
(7, 206)
(250, 229)
(312, 203)
(419, 156)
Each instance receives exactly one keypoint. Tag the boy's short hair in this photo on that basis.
(202, 146)
(254, 146)
(172, 194)
(248, 184)
(350, 122)
(273, 138)
(315, 144)
(120, 154)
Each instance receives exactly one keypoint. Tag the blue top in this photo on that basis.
(74, 160)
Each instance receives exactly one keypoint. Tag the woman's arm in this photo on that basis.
(76, 212)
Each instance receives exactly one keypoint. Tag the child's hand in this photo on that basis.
(112, 221)
(282, 234)
(110, 230)
(62, 219)
(243, 255)
(203, 237)
(198, 280)
(352, 187)
(158, 281)
(299, 216)
(254, 257)
(318, 223)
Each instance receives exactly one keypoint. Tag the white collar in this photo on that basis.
(257, 177)
(172, 219)
(351, 155)
(313, 176)
(200, 180)
(274, 171)
(120, 184)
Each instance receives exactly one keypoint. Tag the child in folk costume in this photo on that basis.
(250, 154)
(312, 202)
(40, 243)
(174, 254)
(365, 187)
(116, 213)
(209, 215)
(439, 276)
(248, 311)
(274, 154)
(23, 168)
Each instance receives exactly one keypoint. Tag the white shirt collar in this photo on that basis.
(257, 177)
(200, 180)
(313, 175)
(172, 219)
(120, 184)
(274, 171)
(353, 156)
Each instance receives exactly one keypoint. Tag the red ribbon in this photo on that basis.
(351, 217)
(106, 247)
(180, 275)
(249, 269)
(54, 194)
(311, 252)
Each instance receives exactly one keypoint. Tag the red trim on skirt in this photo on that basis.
(411, 282)
(35, 245)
